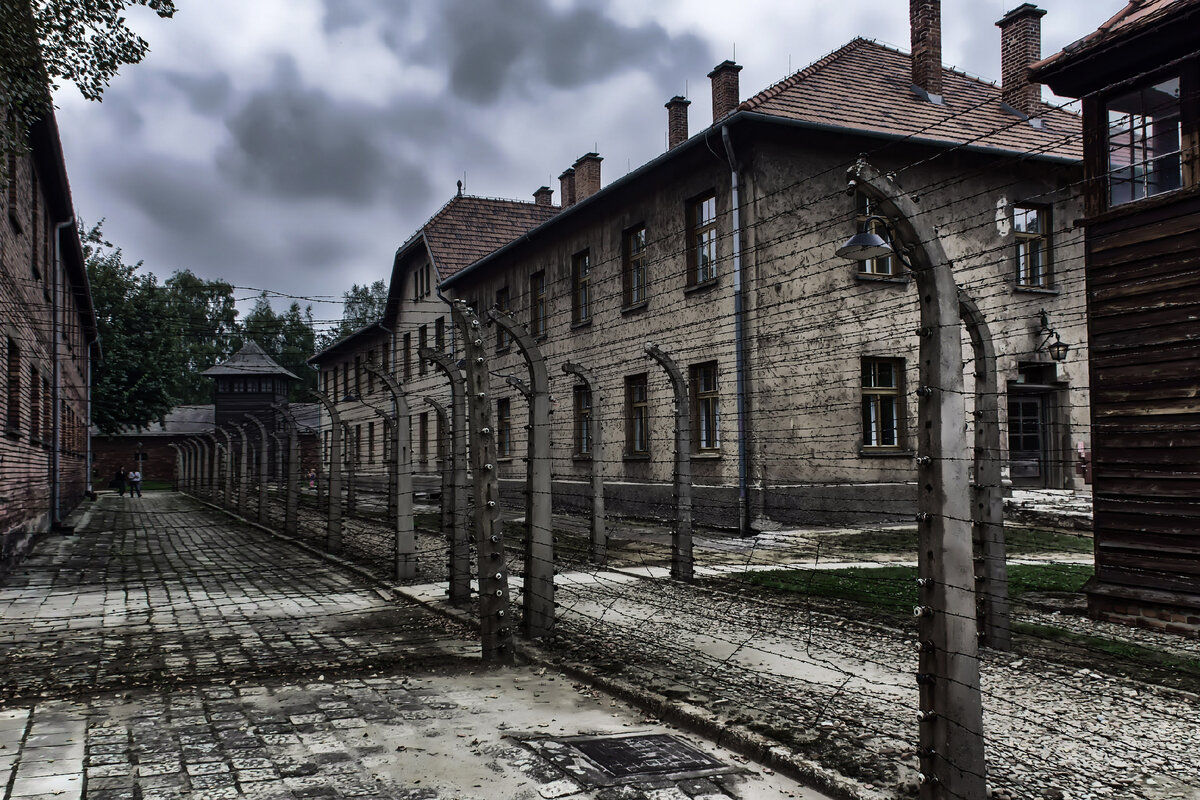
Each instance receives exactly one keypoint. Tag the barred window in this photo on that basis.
(504, 428)
(583, 420)
(407, 356)
(581, 293)
(422, 342)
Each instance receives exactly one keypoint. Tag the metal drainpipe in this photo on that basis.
(56, 379)
(739, 311)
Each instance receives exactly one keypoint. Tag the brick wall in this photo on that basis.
(925, 20)
(1020, 46)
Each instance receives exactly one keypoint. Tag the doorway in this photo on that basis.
(1036, 403)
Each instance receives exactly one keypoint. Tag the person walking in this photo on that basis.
(118, 481)
(135, 483)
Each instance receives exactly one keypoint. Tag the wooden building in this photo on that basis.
(1139, 79)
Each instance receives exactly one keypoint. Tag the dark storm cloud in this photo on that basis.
(521, 43)
(489, 48)
(206, 94)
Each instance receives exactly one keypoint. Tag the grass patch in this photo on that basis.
(1172, 665)
(895, 588)
(1018, 541)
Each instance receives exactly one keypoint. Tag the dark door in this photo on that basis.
(1027, 439)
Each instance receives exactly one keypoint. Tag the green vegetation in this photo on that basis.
(895, 588)
(1018, 541)
(1171, 666)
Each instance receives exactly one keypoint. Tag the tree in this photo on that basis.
(208, 331)
(289, 338)
(139, 333)
(43, 42)
(363, 305)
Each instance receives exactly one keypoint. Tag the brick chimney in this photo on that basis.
(1020, 46)
(677, 121)
(925, 21)
(542, 196)
(726, 94)
(587, 176)
(566, 187)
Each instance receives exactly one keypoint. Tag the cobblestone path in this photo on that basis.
(163, 653)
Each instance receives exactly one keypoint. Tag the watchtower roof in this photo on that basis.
(250, 360)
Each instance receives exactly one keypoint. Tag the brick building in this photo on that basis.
(721, 251)
(48, 330)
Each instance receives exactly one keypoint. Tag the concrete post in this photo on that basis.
(243, 492)
(681, 542)
(333, 535)
(351, 462)
(180, 482)
(495, 620)
(987, 500)
(446, 445)
(292, 503)
(227, 492)
(951, 751)
(400, 472)
(599, 535)
(214, 462)
(263, 468)
(457, 532)
(539, 525)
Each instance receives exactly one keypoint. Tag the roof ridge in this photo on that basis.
(777, 88)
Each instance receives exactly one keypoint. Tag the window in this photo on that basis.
(422, 282)
(581, 292)
(702, 240)
(13, 408)
(881, 402)
(358, 376)
(504, 428)
(423, 437)
(706, 428)
(864, 208)
(634, 277)
(503, 340)
(35, 405)
(1031, 225)
(1144, 138)
(325, 446)
(439, 334)
(371, 375)
(357, 445)
(537, 305)
(440, 442)
(637, 416)
(422, 342)
(583, 420)
(407, 356)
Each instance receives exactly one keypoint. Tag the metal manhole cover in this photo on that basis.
(627, 758)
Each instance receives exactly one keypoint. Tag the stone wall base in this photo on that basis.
(1163, 611)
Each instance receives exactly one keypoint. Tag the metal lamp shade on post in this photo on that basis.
(865, 246)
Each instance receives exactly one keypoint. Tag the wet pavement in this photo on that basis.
(163, 652)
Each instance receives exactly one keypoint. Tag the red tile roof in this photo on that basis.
(468, 228)
(1135, 15)
(866, 86)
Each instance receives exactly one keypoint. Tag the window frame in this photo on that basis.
(637, 416)
(504, 441)
(635, 281)
(581, 288)
(880, 266)
(1023, 238)
(422, 341)
(503, 304)
(538, 311)
(1142, 162)
(706, 439)
(702, 237)
(871, 426)
(581, 403)
(407, 346)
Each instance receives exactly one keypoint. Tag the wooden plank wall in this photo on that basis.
(1144, 333)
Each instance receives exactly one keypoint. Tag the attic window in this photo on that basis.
(1144, 137)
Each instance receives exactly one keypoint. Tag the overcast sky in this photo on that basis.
(292, 145)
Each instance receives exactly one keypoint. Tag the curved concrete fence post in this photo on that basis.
(682, 567)
(539, 524)
(291, 506)
(599, 538)
(951, 728)
(227, 477)
(400, 474)
(263, 465)
(333, 532)
(455, 524)
(987, 499)
(495, 620)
